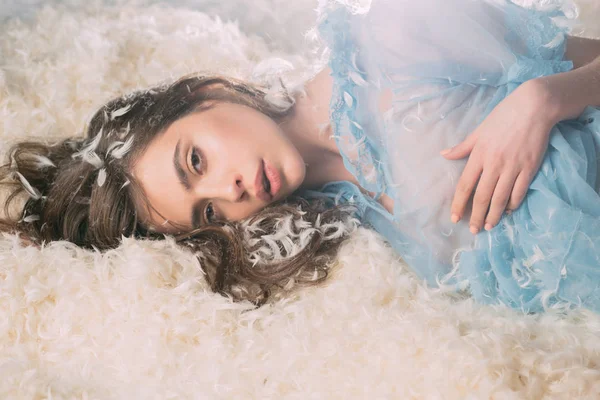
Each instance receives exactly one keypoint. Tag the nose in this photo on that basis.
(234, 190)
(227, 188)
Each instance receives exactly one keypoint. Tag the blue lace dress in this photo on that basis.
(448, 64)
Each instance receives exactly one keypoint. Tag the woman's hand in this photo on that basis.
(505, 152)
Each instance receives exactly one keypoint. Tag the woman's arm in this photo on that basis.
(582, 51)
(506, 150)
(569, 93)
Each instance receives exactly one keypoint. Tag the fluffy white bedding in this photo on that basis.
(139, 322)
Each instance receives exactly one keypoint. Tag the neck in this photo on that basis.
(308, 128)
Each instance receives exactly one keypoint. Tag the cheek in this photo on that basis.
(237, 144)
(225, 151)
(255, 131)
(237, 212)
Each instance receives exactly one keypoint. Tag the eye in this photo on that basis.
(209, 213)
(196, 161)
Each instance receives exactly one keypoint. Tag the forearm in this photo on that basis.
(569, 93)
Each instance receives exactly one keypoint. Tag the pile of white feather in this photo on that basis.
(139, 322)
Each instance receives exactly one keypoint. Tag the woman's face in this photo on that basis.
(225, 163)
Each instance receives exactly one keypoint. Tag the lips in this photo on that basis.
(261, 184)
(274, 178)
(267, 182)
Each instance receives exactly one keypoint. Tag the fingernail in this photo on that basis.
(454, 218)
(474, 229)
(446, 151)
(509, 212)
(488, 227)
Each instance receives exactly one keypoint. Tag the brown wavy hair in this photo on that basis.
(81, 190)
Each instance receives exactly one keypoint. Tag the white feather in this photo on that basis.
(558, 39)
(95, 142)
(88, 153)
(113, 145)
(348, 99)
(121, 111)
(43, 162)
(356, 124)
(93, 159)
(91, 147)
(31, 218)
(119, 152)
(33, 192)
(357, 79)
(354, 61)
(125, 184)
(101, 177)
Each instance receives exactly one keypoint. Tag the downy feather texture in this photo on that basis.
(140, 322)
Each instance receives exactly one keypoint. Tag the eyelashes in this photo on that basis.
(196, 159)
(198, 165)
(209, 213)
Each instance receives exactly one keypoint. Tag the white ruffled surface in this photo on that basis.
(138, 322)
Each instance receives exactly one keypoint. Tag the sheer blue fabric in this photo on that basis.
(448, 64)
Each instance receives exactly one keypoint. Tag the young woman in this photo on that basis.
(213, 160)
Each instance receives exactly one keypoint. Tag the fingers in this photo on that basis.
(481, 200)
(464, 188)
(519, 190)
(462, 149)
(507, 192)
(493, 194)
(501, 196)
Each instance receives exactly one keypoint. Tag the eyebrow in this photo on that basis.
(185, 182)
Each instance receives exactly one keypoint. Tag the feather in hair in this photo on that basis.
(88, 154)
(43, 162)
(101, 177)
(119, 152)
(31, 218)
(33, 192)
(121, 111)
